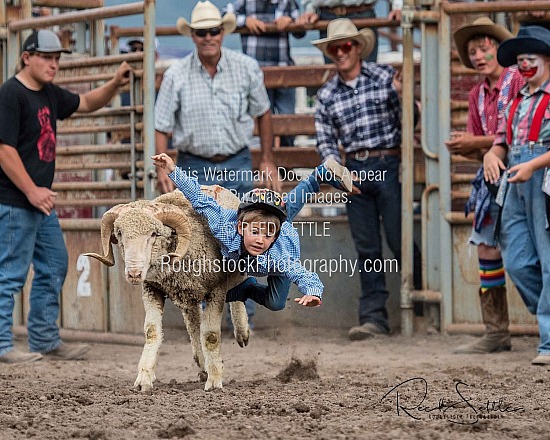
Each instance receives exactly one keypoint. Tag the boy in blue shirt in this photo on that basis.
(261, 233)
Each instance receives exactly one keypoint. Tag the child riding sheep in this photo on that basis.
(260, 234)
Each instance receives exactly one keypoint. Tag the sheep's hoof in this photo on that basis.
(144, 389)
(242, 337)
(203, 376)
(144, 382)
(212, 385)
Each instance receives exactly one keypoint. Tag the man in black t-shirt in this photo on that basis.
(30, 105)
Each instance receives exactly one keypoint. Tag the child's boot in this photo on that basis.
(334, 174)
(238, 293)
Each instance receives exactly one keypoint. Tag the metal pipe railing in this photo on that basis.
(418, 16)
(444, 123)
(96, 128)
(133, 177)
(92, 186)
(77, 150)
(100, 61)
(148, 133)
(87, 166)
(78, 16)
(407, 171)
(424, 210)
(91, 78)
(508, 6)
(69, 4)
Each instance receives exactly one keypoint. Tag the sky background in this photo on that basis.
(168, 11)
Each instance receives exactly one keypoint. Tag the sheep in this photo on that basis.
(153, 237)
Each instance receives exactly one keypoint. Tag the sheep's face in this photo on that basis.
(142, 240)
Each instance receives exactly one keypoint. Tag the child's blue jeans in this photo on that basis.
(525, 241)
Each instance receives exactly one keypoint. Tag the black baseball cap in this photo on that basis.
(43, 41)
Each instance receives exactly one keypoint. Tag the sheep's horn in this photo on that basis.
(107, 226)
(174, 218)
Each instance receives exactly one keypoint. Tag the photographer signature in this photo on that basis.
(411, 398)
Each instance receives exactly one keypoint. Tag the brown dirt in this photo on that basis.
(294, 383)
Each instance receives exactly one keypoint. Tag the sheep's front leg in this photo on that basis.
(154, 306)
(192, 318)
(239, 319)
(211, 340)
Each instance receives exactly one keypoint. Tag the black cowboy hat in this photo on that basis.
(530, 39)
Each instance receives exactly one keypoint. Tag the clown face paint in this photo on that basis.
(529, 64)
(534, 68)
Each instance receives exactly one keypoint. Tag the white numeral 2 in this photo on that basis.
(83, 287)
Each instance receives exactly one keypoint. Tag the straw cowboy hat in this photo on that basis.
(205, 16)
(344, 29)
(530, 39)
(480, 26)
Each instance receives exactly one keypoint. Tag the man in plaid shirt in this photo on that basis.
(360, 108)
(270, 49)
(315, 10)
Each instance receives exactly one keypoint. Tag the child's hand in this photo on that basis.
(461, 142)
(283, 22)
(523, 171)
(307, 19)
(255, 26)
(164, 161)
(309, 301)
(492, 164)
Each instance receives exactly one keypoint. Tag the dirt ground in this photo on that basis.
(287, 384)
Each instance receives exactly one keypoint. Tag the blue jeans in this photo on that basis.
(241, 163)
(274, 295)
(283, 102)
(29, 236)
(324, 15)
(487, 234)
(378, 199)
(525, 242)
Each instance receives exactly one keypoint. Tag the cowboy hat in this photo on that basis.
(205, 16)
(530, 39)
(344, 29)
(480, 26)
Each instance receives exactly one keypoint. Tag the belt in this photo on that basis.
(218, 158)
(346, 10)
(379, 152)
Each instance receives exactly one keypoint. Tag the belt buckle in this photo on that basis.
(339, 10)
(361, 155)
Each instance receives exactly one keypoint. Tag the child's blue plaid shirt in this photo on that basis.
(281, 259)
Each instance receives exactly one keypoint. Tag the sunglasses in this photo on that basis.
(344, 47)
(203, 32)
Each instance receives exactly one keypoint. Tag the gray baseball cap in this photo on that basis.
(43, 41)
